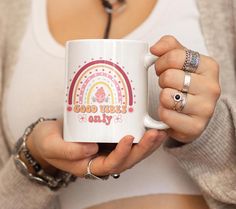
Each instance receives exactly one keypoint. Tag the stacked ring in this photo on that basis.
(192, 61)
(187, 60)
(187, 81)
(180, 100)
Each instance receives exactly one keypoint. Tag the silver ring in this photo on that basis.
(187, 59)
(180, 100)
(183, 103)
(192, 61)
(90, 175)
(187, 81)
(195, 60)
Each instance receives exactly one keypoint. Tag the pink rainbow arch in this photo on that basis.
(73, 83)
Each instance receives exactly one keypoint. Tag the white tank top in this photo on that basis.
(36, 89)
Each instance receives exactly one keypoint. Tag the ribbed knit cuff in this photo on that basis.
(214, 149)
(211, 159)
(18, 192)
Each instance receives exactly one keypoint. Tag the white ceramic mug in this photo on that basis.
(106, 90)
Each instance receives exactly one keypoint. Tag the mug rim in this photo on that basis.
(106, 40)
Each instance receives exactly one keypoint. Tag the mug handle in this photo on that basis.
(149, 122)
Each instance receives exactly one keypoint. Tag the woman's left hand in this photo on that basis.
(204, 90)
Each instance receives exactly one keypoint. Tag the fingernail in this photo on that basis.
(153, 134)
(155, 139)
(91, 149)
(129, 140)
(162, 136)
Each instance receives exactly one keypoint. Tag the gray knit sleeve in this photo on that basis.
(17, 192)
(211, 159)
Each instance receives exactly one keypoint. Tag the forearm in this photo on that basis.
(17, 192)
(211, 159)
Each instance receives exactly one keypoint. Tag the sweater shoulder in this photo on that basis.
(13, 21)
(12, 9)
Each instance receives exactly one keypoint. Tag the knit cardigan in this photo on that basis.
(210, 160)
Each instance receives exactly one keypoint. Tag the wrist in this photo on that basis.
(30, 167)
(47, 167)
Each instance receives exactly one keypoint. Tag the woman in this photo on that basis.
(202, 145)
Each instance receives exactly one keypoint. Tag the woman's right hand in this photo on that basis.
(47, 146)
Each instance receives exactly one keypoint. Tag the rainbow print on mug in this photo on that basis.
(106, 90)
(100, 92)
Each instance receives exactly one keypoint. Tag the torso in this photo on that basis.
(158, 201)
(167, 180)
(87, 20)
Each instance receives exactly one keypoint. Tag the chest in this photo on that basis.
(88, 19)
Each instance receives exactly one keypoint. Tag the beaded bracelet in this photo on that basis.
(61, 179)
